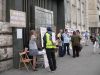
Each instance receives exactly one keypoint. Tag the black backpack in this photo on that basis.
(44, 41)
(62, 38)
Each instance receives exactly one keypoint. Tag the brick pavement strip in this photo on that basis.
(87, 64)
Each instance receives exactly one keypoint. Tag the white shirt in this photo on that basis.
(66, 38)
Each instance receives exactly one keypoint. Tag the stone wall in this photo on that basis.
(6, 50)
(5, 65)
(76, 14)
(93, 16)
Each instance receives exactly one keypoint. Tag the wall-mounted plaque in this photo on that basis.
(17, 18)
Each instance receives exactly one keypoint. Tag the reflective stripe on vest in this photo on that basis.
(49, 43)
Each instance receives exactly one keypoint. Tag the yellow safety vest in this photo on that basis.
(49, 43)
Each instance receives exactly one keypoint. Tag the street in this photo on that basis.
(87, 64)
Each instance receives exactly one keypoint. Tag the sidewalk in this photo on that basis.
(87, 64)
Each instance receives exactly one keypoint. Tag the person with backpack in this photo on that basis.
(50, 49)
(60, 43)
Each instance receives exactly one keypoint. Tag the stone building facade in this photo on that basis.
(99, 10)
(76, 14)
(6, 48)
(38, 13)
(59, 14)
(94, 16)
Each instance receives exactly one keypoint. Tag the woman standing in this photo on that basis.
(33, 50)
(60, 43)
(93, 38)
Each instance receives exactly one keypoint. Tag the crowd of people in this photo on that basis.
(64, 39)
(63, 43)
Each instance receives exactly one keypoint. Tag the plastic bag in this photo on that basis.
(96, 45)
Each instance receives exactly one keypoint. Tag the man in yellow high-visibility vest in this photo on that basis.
(50, 49)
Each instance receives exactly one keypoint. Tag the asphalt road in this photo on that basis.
(87, 64)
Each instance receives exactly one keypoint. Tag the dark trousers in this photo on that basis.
(60, 52)
(66, 45)
(51, 59)
(75, 51)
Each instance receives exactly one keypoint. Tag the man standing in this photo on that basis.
(75, 39)
(66, 41)
(50, 49)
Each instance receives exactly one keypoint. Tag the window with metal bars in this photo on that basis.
(40, 3)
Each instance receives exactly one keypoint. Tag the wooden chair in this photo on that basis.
(25, 60)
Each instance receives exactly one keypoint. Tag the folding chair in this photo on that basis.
(24, 59)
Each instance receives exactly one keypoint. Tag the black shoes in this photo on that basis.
(68, 54)
(35, 69)
(75, 56)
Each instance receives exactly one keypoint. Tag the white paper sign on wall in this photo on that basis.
(19, 33)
